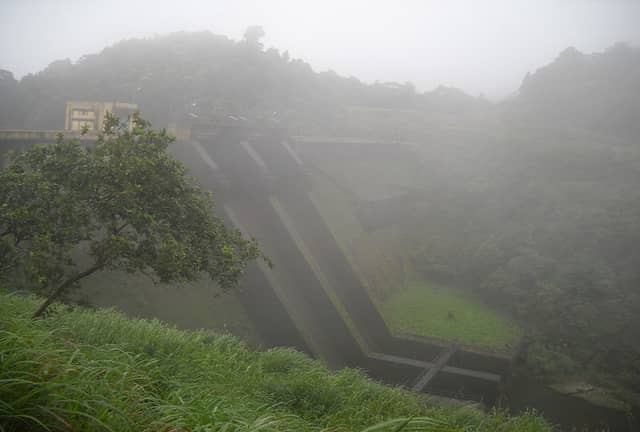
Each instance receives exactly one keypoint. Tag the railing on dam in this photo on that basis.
(41, 135)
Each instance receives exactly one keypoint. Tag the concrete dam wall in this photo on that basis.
(263, 188)
(311, 299)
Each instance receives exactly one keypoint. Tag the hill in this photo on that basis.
(190, 75)
(97, 370)
(595, 92)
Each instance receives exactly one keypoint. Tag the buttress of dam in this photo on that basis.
(311, 299)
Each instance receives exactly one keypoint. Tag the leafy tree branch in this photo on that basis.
(126, 199)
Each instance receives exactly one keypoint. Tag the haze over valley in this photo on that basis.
(443, 196)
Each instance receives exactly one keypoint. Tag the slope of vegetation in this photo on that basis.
(430, 309)
(343, 175)
(173, 76)
(97, 370)
(187, 305)
(595, 92)
(539, 219)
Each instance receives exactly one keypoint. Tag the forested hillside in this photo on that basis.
(591, 92)
(185, 75)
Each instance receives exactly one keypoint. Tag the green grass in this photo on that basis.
(80, 370)
(429, 309)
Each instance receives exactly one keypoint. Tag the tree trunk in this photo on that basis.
(61, 289)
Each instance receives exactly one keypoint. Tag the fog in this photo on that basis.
(442, 194)
(481, 47)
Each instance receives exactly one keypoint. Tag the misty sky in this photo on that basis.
(480, 46)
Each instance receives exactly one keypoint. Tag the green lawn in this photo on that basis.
(86, 370)
(429, 309)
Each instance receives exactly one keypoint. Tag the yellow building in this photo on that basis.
(92, 114)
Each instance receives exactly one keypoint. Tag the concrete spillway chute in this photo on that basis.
(311, 299)
(267, 195)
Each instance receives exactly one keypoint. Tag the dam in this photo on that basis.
(265, 193)
(311, 299)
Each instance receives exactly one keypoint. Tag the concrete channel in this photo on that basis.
(311, 299)
(265, 193)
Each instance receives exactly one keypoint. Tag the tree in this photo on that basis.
(253, 34)
(11, 104)
(126, 200)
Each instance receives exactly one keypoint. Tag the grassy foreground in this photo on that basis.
(82, 370)
(429, 309)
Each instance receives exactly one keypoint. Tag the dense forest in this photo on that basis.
(531, 202)
(200, 74)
